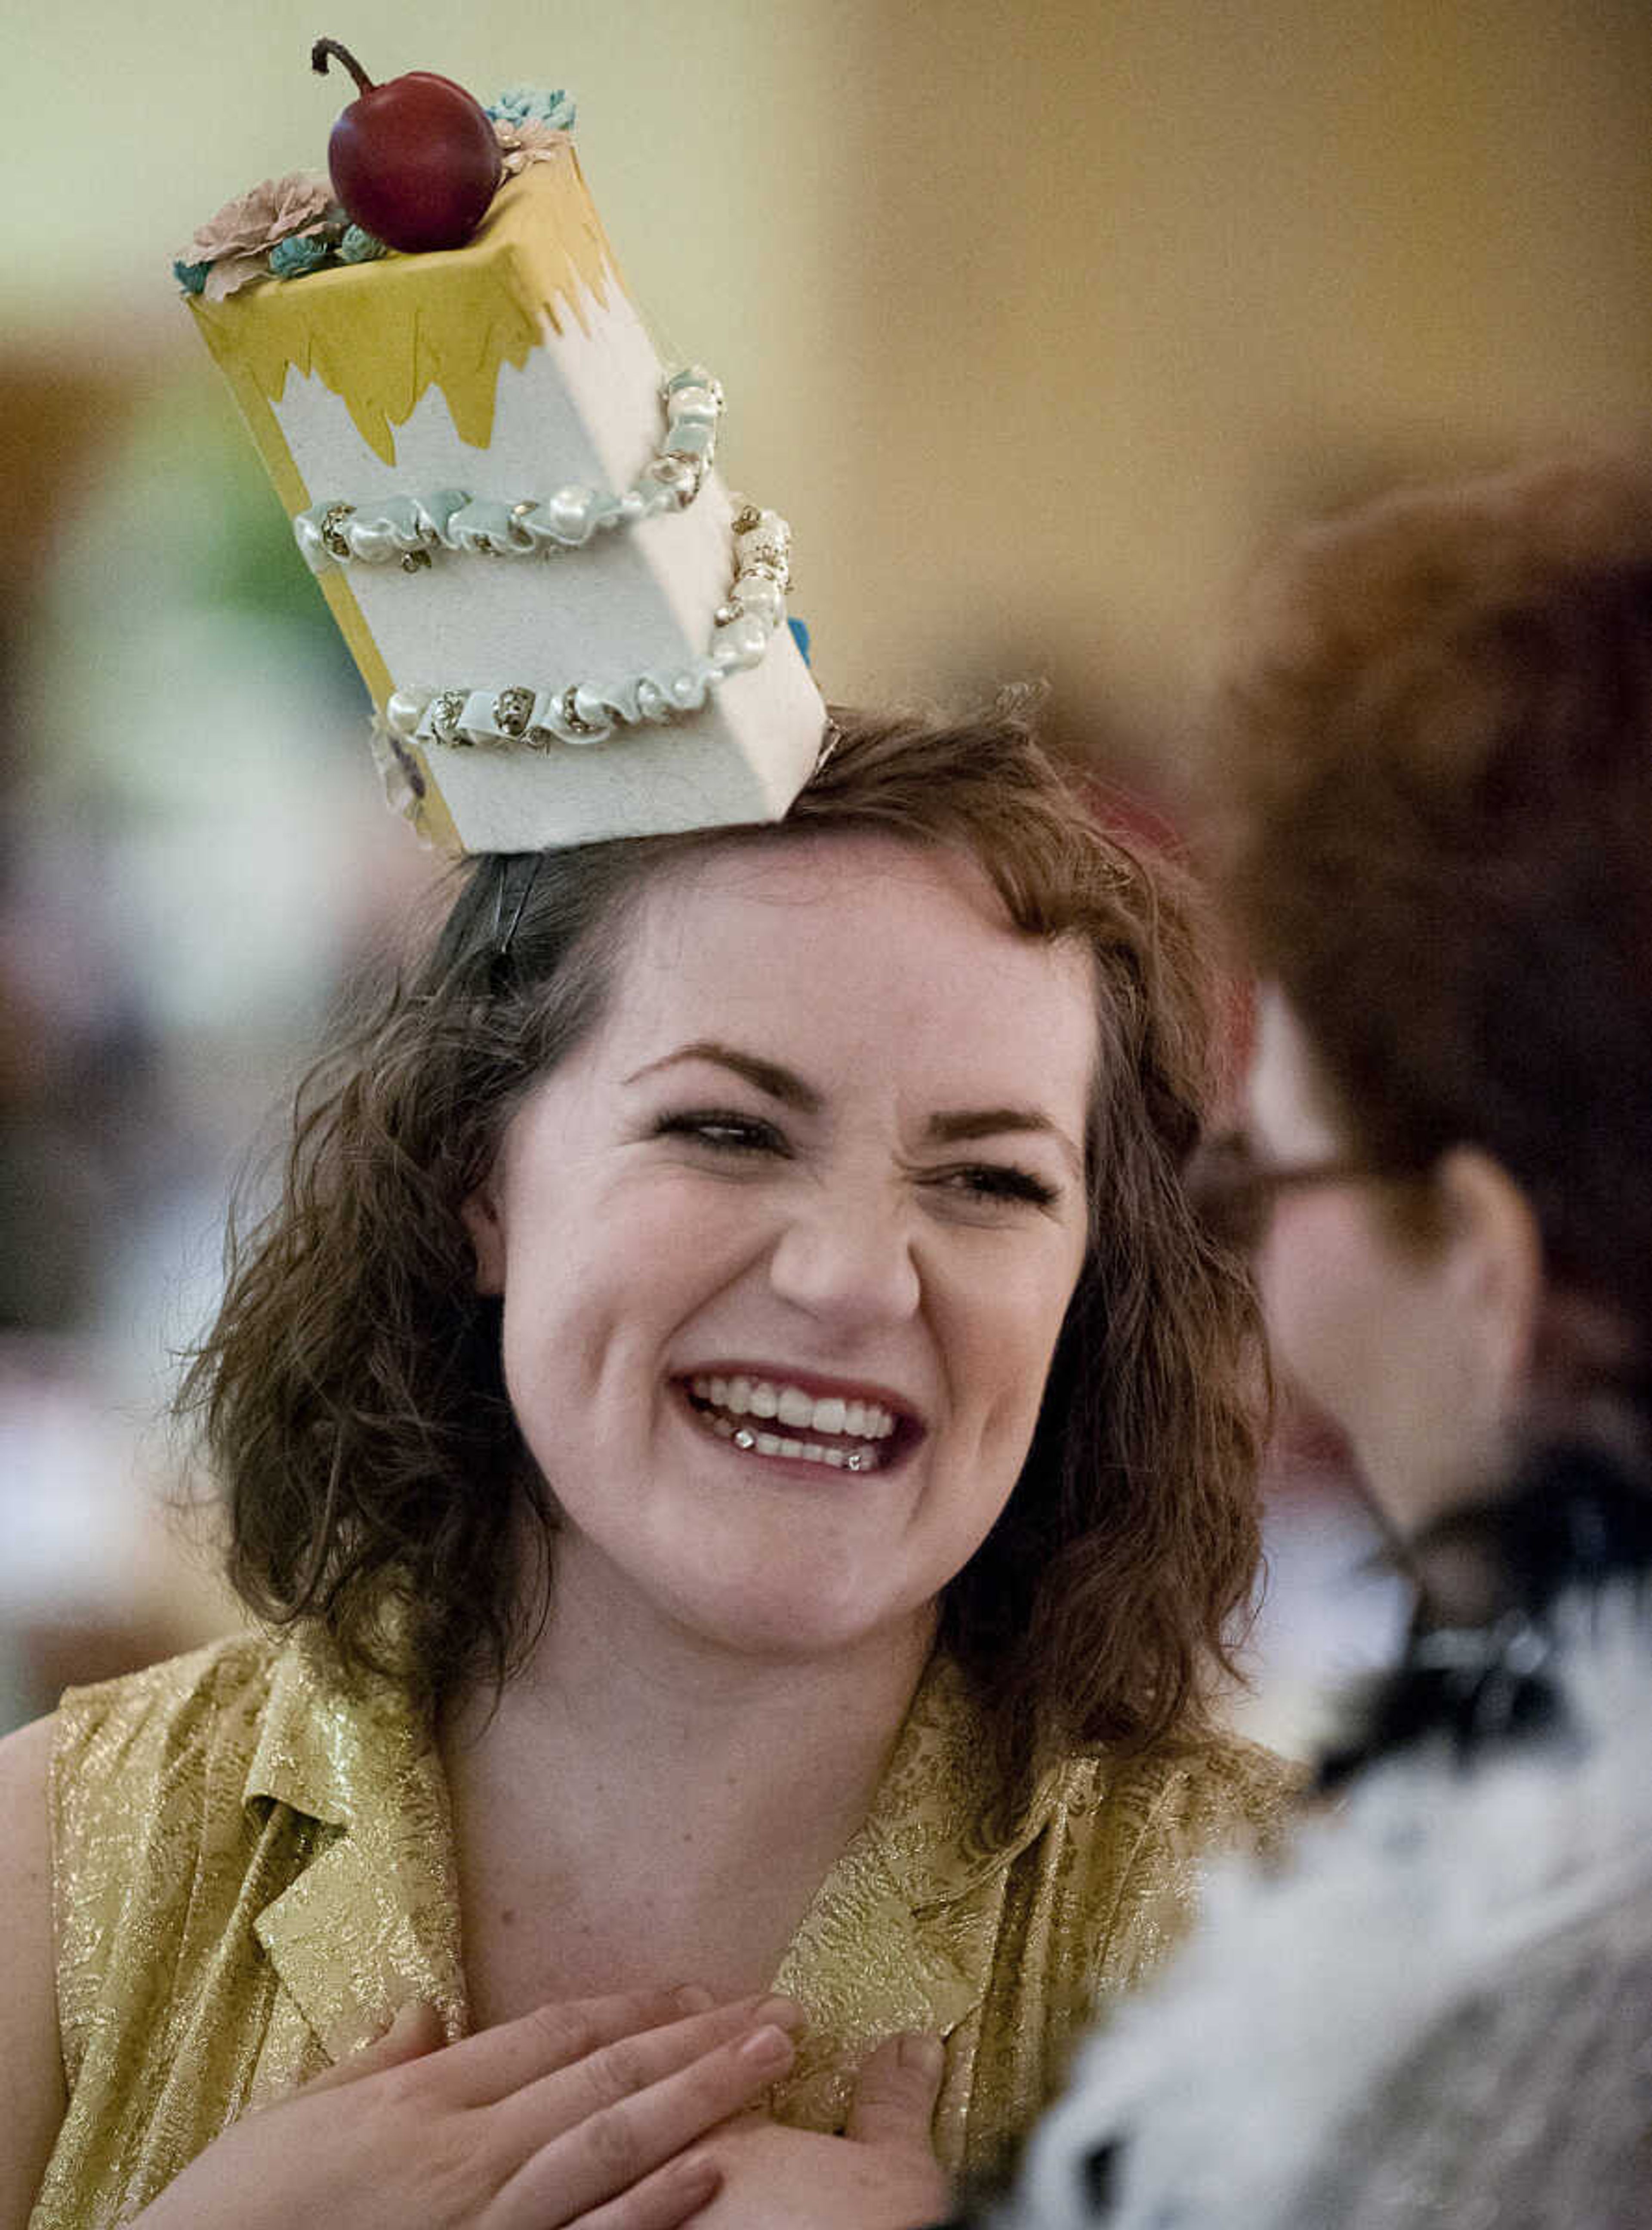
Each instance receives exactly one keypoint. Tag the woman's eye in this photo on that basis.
(722, 1130)
(993, 1182)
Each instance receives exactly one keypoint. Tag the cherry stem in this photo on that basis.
(324, 49)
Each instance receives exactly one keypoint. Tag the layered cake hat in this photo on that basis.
(569, 628)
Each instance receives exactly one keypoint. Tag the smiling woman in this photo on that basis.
(750, 1462)
(843, 1223)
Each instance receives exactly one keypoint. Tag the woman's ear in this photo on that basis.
(1495, 1265)
(486, 1227)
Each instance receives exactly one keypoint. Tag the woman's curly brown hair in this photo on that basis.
(352, 1388)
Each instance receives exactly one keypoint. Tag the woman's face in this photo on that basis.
(1386, 1332)
(786, 1244)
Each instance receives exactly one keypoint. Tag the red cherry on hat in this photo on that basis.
(415, 161)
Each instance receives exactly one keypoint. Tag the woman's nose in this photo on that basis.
(848, 1261)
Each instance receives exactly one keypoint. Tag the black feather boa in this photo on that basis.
(1575, 1521)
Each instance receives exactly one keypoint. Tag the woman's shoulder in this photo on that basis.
(29, 2050)
(132, 1756)
(181, 1701)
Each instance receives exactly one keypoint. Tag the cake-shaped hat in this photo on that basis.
(569, 628)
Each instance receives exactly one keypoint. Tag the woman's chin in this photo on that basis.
(799, 1628)
(786, 1616)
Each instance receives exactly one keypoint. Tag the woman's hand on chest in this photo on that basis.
(590, 2110)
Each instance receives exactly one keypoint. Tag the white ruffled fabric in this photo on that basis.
(1440, 2012)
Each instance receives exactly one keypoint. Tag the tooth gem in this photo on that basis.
(814, 1452)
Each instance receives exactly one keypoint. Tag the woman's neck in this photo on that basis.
(612, 1684)
(668, 1804)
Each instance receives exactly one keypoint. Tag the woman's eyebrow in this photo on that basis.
(767, 1076)
(991, 1122)
(785, 1086)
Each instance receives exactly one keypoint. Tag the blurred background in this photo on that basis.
(1037, 322)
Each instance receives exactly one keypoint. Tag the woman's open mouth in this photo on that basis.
(843, 1430)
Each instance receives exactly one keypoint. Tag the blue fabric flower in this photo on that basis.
(192, 277)
(359, 247)
(292, 258)
(521, 104)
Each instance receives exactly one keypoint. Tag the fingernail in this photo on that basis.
(767, 2047)
(695, 1998)
(922, 2053)
(784, 2013)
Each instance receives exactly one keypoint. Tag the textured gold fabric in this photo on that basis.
(254, 1868)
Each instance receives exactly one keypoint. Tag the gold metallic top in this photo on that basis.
(253, 1868)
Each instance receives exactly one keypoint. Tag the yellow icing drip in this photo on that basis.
(379, 334)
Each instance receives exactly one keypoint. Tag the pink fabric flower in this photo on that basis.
(237, 241)
(529, 141)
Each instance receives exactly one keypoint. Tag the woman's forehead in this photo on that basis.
(859, 932)
(819, 862)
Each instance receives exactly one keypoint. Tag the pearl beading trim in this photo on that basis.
(588, 712)
(411, 528)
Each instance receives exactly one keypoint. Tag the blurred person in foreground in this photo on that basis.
(1434, 762)
(747, 1460)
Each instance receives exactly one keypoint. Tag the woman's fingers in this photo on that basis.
(617, 2070)
(661, 2201)
(590, 2159)
(496, 2063)
(894, 2102)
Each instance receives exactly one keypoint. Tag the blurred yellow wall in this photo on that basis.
(1032, 319)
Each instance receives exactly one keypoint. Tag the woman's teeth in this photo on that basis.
(790, 1405)
(725, 1400)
